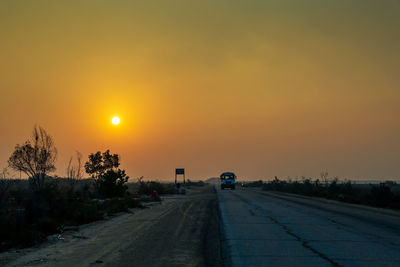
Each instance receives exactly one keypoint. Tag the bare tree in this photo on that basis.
(4, 174)
(35, 157)
(74, 171)
(324, 176)
(5, 183)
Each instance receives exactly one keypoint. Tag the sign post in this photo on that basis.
(180, 171)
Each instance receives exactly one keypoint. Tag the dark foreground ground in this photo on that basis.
(182, 231)
(243, 227)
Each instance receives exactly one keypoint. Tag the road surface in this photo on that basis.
(270, 229)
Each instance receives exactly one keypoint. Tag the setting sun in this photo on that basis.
(115, 120)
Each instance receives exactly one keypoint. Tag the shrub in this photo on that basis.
(115, 205)
(110, 181)
(112, 184)
(258, 183)
(131, 202)
(27, 216)
(87, 212)
(146, 188)
(198, 183)
(46, 225)
(380, 196)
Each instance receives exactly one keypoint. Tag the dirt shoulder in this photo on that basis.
(181, 231)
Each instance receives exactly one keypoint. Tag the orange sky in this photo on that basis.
(262, 88)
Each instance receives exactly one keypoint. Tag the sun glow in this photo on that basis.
(115, 120)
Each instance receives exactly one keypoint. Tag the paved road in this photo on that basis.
(266, 229)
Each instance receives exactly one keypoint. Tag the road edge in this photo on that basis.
(226, 260)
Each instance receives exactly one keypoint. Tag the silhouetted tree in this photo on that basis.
(74, 172)
(35, 157)
(4, 183)
(100, 163)
(110, 181)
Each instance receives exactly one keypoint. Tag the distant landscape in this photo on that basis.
(199, 133)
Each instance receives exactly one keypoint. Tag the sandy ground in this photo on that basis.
(181, 231)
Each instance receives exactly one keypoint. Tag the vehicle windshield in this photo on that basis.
(224, 177)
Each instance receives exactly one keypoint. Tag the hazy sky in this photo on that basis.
(262, 88)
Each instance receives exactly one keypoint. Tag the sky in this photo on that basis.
(263, 88)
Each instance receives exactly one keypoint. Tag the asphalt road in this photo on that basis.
(267, 229)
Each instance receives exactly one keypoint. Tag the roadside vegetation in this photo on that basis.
(148, 187)
(385, 194)
(190, 183)
(42, 205)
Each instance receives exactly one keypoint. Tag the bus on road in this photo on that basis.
(228, 180)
